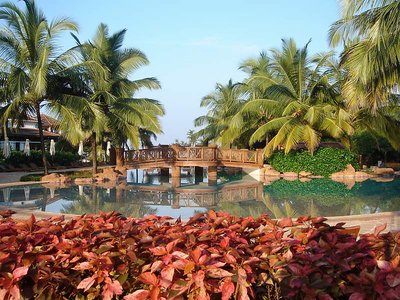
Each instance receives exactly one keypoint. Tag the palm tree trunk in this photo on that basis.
(119, 193)
(42, 148)
(94, 197)
(119, 155)
(94, 153)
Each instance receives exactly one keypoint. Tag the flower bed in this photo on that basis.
(212, 256)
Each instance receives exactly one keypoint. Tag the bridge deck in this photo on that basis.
(193, 157)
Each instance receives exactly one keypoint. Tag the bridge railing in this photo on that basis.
(240, 156)
(151, 155)
(195, 154)
(201, 154)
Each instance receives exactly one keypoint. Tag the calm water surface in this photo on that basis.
(149, 194)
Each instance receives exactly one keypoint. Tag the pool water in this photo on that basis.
(149, 194)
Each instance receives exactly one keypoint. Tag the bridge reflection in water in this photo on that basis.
(106, 196)
(197, 197)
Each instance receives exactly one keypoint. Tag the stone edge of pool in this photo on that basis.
(21, 183)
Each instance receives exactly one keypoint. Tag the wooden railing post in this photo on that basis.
(260, 157)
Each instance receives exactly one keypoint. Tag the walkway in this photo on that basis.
(12, 177)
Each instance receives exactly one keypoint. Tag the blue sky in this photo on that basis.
(192, 45)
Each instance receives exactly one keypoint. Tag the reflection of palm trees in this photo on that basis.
(313, 209)
(44, 202)
(243, 208)
(100, 200)
(278, 212)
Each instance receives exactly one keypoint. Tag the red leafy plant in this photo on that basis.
(211, 256)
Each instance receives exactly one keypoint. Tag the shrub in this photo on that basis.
(60, 158)
(18, 157)
(212, 256)
(372, 148)
(325, 161)
(63, 158)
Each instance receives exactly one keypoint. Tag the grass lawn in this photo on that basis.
(70, 174)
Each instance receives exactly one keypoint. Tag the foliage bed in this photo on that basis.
(60, 158)
(70, 174)
(325, 161)
(324, 190)
(212, 256)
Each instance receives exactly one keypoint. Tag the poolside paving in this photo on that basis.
(12, 178)
(367, 223)
(22, 214)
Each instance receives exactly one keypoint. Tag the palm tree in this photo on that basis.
(145, 137)
(247, 120)
(222, 105)
(301, 103)
(8, 110)
(30, 58)
(110, 90)
(385, 122)
(370, 32)
(191, 137)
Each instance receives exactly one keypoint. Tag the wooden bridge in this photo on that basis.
(176, 156)
(159, 157)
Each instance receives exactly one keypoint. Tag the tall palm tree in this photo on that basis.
(145, 137)
(370, 32)
(30, 57)
(300, 104)
(8, 110)
(191, 137)
(110, 90)
(222, 105)
(247, 120)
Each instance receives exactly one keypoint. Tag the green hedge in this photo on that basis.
(60, 158)
(324, 162)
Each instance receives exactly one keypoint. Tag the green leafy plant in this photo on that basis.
(324, 162)
(372, 148)
(60, 158)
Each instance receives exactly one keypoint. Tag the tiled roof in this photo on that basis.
(27, 133)
(46, 120)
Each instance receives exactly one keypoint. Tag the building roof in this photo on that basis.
(27, 133)
(46, 120)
